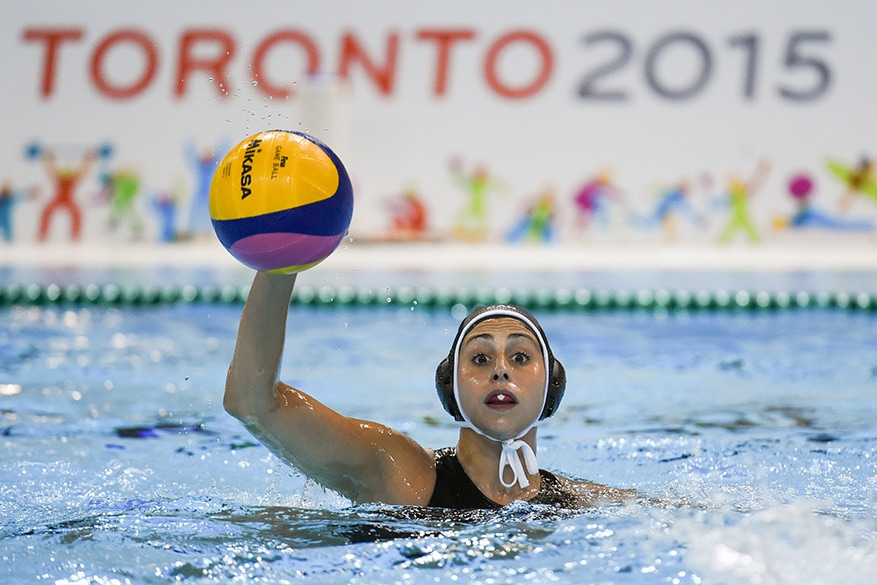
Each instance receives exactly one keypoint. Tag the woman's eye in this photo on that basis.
(479, 360)
(521, 358)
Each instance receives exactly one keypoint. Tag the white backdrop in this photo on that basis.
(541, 93)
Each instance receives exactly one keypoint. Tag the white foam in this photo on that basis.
(782, 545)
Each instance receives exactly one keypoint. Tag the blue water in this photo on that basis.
(755, 434)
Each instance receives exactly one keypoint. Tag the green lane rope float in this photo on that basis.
(559, 299)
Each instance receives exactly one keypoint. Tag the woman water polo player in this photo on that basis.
(499, 381)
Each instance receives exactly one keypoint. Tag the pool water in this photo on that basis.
(754, 435)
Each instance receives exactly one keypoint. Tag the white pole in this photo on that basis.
(322, 111)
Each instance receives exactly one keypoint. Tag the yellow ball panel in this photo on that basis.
(293, 269)
(270, 172)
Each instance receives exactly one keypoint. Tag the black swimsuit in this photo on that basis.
(454, 489)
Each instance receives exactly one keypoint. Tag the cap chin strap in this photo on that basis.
(513, 450)
(510, 458)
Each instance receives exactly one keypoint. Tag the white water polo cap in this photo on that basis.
(514, 449)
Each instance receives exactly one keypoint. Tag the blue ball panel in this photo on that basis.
(330, 217)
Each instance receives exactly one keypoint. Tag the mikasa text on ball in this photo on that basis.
(281, 201)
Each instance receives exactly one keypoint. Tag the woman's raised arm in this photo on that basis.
(364, 461)
(255, 365)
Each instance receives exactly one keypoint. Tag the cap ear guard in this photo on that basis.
(556, 388)
(444, 385)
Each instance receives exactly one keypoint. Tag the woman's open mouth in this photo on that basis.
(501, 399)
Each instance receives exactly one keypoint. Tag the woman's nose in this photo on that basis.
(501, 370)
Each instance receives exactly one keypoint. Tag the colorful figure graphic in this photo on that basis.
(801, 189)
(858, 179)
(409, 220)
(672, 202)
(9, 197)
(166, 205)
(739, 193)
(471, 224)
(65, 180)
(592, 201)
(203, 165)
(121, 189)
(537, 225)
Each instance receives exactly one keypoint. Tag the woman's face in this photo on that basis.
(501, 377)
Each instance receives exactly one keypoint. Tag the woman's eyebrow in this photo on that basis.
(478, 336)
(524, 335)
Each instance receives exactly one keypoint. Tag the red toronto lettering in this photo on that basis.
(352, 51)
(493, 54)
(211, 52)
(216, 65)
(283, 36)
(52, 39)
(444, 40)
(129, 36)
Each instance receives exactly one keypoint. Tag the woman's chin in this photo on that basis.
(501, 428)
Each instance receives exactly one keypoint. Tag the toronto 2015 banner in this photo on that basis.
(570, 123)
